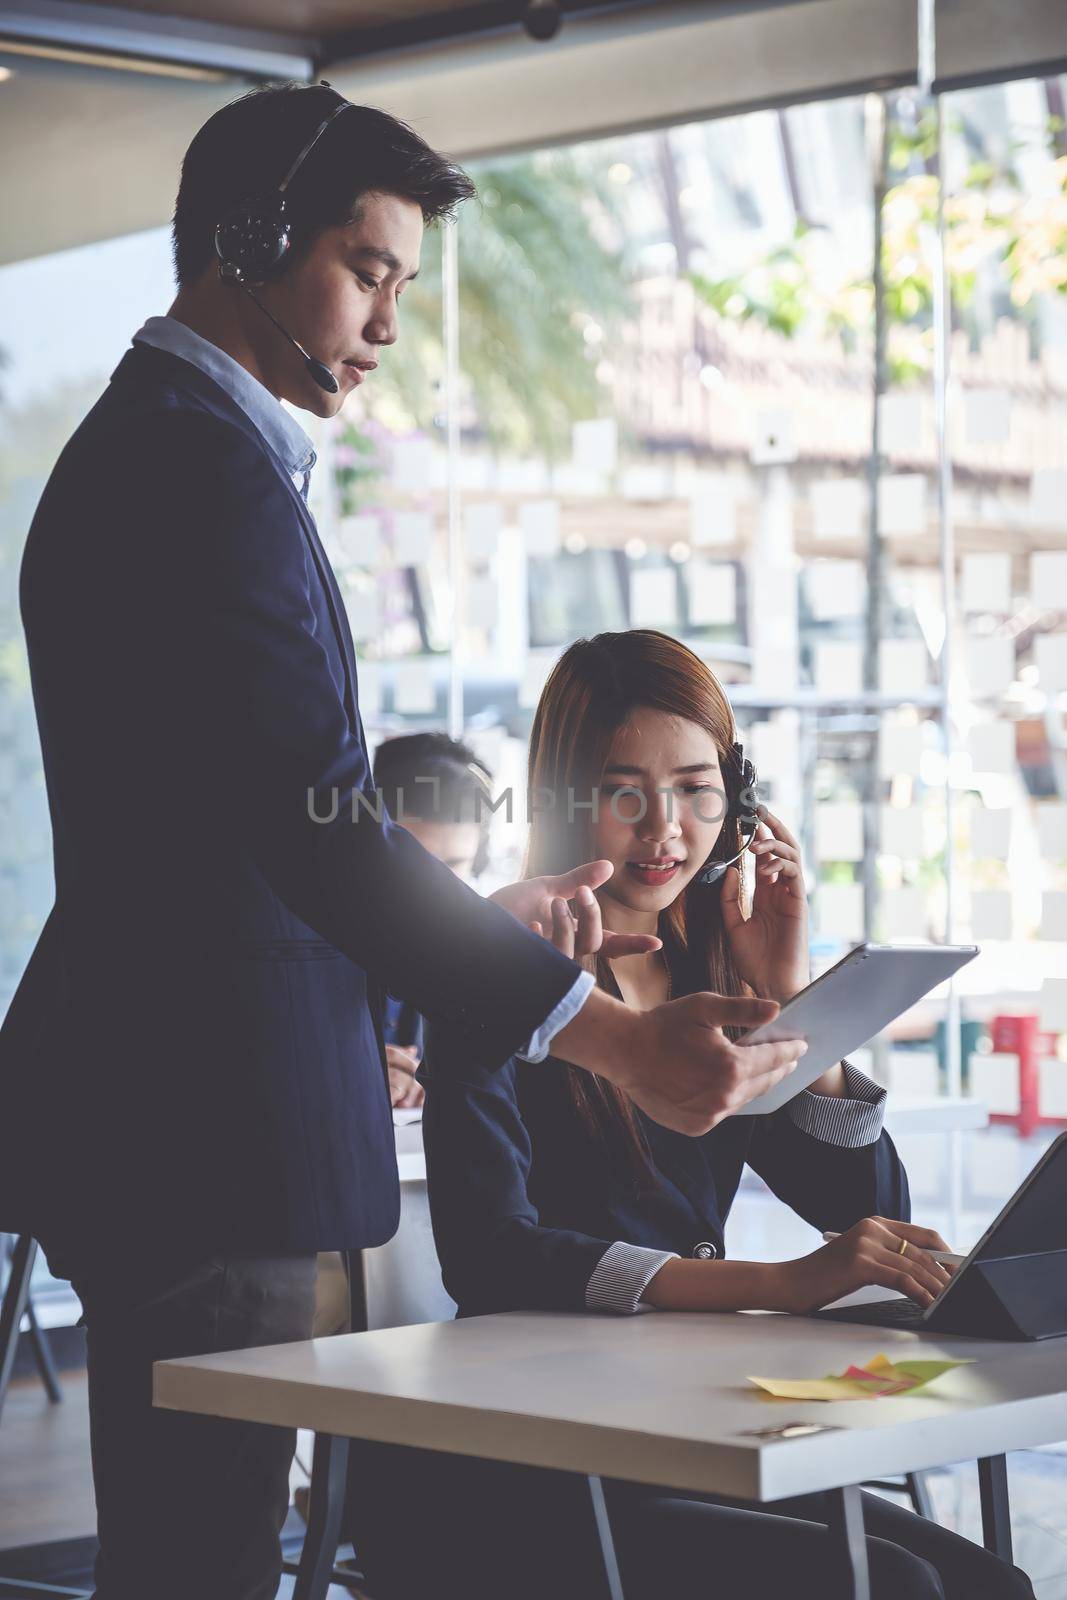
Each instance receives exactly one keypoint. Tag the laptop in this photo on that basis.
(1013, 1285)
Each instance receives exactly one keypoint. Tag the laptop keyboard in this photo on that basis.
(884, 1313)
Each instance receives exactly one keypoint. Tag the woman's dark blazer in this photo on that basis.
(525, 1198)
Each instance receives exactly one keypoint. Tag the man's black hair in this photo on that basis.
(461, 781)
(244, 151)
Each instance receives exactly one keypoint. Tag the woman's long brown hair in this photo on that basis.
(594, 687)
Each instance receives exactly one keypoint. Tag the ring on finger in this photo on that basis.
(903, 1248)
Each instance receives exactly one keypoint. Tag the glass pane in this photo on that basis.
(1005, 239)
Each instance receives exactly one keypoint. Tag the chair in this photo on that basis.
(18, 1303)
(914, 1485)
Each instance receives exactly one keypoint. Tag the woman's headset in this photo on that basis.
(739, 779)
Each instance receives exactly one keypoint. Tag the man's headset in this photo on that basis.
(253, 239)
(739, 779)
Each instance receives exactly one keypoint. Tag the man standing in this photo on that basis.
(192, 1070)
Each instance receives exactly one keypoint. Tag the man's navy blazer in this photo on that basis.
(193, 1060)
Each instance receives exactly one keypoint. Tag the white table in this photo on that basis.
(939, 1113)
(659, 1398)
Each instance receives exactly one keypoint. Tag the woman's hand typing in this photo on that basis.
(868, 1253)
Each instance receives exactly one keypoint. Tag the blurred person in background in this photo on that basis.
(437, 789)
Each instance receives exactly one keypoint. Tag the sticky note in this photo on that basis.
(902, 503)
(1051, 816)
(991, 913)
(412, 465)
(877, 1379)
(413, 688)
(902, 832)
(595, 445)
(712, 590)
(990, 665)
(653, 597)
(900, 424)
(986, 415)
(774, 747)
(1052, 1016)
(640, 481)
(539, 526)
(835, 589)
(840, 910)
(412, 538)
(713, 514)
(774, 437)
(900, 748)
(991, 747)
(904, 913)
(1054, 914)
(1048, 579)
(1048, 497)
(361, 604)
(1050, 654)
(369, 689)
(360, 538)
(839, 667)
(839, 831)
(482, 602)
(990, 831)
(903, 665)
(534, 674)
(838, 507)
(482, 527)
(986, 583)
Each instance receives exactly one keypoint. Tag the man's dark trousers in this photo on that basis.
(188, 1506)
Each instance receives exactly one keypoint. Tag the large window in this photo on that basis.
(707, 381)
(690, 398)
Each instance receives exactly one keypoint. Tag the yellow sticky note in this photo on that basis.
(877, 1379)
(815, 1388)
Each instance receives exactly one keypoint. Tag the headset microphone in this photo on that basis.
(317, 369)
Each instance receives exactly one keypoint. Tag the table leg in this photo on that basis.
(604, 1534)
(996, 1515)
(326, 1500)
(848, 1543)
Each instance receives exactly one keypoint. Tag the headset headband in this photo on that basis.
(346, 105)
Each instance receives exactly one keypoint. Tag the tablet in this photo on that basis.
(849, 1004)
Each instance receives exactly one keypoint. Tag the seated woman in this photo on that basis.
(551, 1191)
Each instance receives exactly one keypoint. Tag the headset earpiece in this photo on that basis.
(740, 781)
(252, 240)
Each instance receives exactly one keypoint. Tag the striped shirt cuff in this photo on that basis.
(536, 1047)
(849, 1120)
(621, 1276)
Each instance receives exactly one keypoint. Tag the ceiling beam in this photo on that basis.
(483, 20)
(69, 29)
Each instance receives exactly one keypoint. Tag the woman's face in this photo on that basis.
(662, 805)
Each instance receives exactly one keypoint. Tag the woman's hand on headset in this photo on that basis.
(770, 944)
